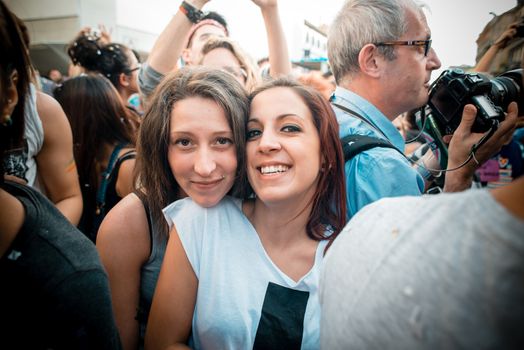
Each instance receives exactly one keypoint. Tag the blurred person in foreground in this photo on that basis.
(55, 292)
(428, 272)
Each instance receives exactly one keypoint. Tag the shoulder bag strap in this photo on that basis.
(101, 193)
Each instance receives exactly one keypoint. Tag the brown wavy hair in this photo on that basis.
(157, 183)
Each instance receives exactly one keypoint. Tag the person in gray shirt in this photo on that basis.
(428, 272)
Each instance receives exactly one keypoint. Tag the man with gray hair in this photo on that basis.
(381, 56)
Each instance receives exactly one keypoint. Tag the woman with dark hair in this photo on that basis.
(104, 137)
(51, 274)
(244, 274)
(44, 158)
(116, 62)
(190, 142)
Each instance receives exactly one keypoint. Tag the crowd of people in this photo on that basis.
(196, 200)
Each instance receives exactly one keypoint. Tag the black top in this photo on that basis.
(54, 292)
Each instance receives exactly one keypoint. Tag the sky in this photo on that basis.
(455, 24)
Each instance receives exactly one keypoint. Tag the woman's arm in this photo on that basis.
(173, 305)
(279, 63)
(485, 62)
(170, 43)
(123, 244)
(56, 164)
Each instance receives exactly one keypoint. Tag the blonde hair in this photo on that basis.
(252, 76)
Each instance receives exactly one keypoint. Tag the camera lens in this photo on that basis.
(507, 88)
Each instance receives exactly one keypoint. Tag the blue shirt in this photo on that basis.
(379, 172)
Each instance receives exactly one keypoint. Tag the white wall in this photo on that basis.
(39, 9)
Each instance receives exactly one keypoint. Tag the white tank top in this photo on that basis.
(21, 162)
(244, 301)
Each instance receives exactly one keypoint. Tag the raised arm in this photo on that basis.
(56, 164)
(123, 244)
(170, 43)
(169, 324)
(485, 61)
(279, 61)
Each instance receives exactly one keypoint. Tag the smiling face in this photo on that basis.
(283, 148)
(201, 152)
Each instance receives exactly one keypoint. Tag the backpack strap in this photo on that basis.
(102, 189)
(355, 144)
(131, 154)
(358, 116)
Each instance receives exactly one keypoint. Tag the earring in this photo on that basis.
(323, 168)
(7, 121)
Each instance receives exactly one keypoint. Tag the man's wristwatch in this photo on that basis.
(192, 13)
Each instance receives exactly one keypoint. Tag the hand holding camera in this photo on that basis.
(466, 143)
(478, 111)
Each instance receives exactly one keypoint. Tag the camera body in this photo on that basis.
(491, 96)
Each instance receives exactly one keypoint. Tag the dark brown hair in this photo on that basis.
(154, 173)
(98, 119)
(108, 59)
(13, 56)
(329, 201)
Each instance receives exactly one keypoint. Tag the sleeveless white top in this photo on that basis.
(21, 162)
(244, 301)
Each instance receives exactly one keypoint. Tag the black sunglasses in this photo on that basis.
(425, 43)
(128, 71)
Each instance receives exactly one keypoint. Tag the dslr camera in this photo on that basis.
(455, 88)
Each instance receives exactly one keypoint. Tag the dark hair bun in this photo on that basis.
(86, 51)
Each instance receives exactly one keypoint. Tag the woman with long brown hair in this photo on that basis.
(104, 133)
(191, 140)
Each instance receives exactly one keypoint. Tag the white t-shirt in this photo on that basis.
(244, 301)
